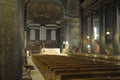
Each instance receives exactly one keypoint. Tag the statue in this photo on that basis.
(42, 48)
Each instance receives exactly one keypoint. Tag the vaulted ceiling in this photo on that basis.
(45, 11)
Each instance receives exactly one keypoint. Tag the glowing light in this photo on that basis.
(88, 46)
(88, 37)
(107, 32)
(95, 33)
(66, 42)
(28, 52)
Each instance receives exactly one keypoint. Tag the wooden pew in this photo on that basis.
(63, 66)
(61, 69)
(54, 64)
(84, 75)
(49, 65)
(102, 58)
(55, 71)
(99, 78)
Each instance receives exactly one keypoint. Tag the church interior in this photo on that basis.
(60, 40)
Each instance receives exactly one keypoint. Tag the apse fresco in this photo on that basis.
(44, 11)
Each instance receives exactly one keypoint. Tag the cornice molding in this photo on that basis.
(91, 5)
(87, 3)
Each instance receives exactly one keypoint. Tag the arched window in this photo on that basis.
(42, 33)
(53, 35)
(32, 34)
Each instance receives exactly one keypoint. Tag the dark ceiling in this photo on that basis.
(45, 11)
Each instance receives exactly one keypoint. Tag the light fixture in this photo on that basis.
(107, 32)
(88, 37)
(88, 46)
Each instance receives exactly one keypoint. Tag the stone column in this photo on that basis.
(67, 31)
(102, 30)
(11, 39)
(91, 34)
(84, 35)
(74, 32)
(84, 39)
(115, 26)
(72, 23)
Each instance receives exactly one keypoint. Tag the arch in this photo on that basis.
(48, 11)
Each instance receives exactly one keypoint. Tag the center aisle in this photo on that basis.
(35, 74)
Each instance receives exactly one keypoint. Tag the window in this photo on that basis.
(53, 35)
(32, 34)
(42, 33)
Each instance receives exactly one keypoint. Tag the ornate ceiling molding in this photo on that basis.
(89, 6)
(42, 11)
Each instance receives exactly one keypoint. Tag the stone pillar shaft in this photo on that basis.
(115, 26)
(84, 35)
(11, 39)
(91, 34)
(102, 30)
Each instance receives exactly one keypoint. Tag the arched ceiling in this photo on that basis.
(44, 11)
